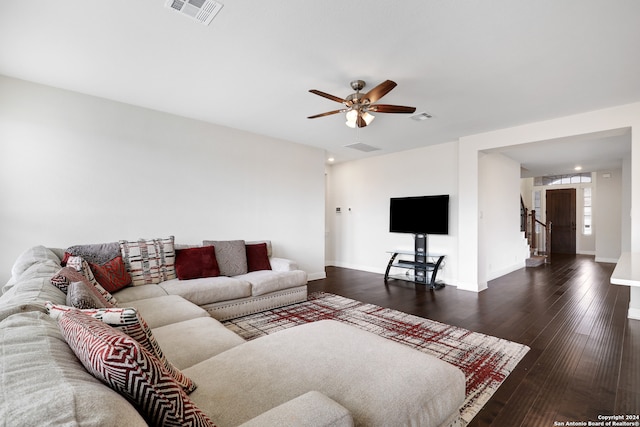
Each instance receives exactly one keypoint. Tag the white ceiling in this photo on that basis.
(600, 151)
(474, 65)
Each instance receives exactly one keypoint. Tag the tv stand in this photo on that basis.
(425, 269)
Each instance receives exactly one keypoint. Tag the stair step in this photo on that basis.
(535, 261)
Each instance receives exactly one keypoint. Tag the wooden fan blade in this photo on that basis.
(379, 91)
(386, 108)
(360, 122)
(328, 96)
(328, 113)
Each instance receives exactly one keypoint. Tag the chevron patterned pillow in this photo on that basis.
(67, 275)
(122, 363)
(129, 321)
(112, 275)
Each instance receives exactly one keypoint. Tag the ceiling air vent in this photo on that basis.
(421, 116)
(362, 147)
(201, 10)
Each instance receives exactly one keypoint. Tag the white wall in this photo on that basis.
(503, 247)
(359, 236)
(78, 169)
(607, 213)
(625, 213)
(526, 192)
(625, 116)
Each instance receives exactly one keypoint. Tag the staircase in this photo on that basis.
(537, 255)
(535, 260)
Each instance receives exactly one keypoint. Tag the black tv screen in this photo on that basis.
(419, 215)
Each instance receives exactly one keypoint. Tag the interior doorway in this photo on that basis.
(561, 211)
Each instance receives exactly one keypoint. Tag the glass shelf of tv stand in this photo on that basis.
(429, 268)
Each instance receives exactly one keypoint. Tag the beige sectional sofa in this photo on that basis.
(319, 374)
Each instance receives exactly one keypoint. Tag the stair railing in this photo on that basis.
(531, 234)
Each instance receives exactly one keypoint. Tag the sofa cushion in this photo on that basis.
(134, 293)
(208, 289)
(312, 409)
(257, 257)
(112, 275)
(43, 383)
(149, 261)
(194, 263)
(30, 295)
(37, 261)
(192, 341)
(266, 281)
(380, 382)
(131, 323)
(127, 367)
(166, 310)
(37, 256)
(79, 296)
(231, 256)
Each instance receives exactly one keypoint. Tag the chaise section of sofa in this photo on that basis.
(380, 382)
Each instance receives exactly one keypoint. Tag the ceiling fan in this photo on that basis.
(358, 106)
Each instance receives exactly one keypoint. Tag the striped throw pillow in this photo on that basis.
(149, 261)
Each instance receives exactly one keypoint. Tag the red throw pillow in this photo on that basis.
(194, 263)
(257, 258)
(112, 275)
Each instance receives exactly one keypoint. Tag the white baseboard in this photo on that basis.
(499, 273)
(317, 276)
(367, 268)
(607, 260)
(633, 313)
(586, 252)
(471, 287)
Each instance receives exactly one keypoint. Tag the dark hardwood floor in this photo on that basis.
(585, 354)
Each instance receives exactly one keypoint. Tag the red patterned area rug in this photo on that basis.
(485, 360)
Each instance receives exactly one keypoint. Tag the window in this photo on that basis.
(576, 178)
(586, 223)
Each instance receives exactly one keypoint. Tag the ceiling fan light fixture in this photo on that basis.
(352, 116)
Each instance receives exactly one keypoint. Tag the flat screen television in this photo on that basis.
(419, 215)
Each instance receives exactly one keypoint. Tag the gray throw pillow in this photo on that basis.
(99, 253)
(231, 256)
